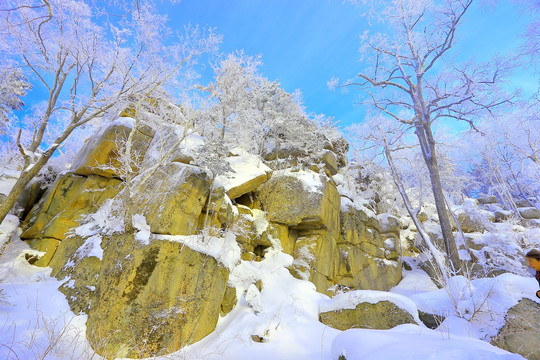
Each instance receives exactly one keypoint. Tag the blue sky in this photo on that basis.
(304, 43)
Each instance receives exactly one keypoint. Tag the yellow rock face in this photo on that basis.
(154, 299)
(288, 200)
(323, 267)
(63, 205)
(104, 149)
(48, 246)
(362, 261)
(173, 199)
(382, 315)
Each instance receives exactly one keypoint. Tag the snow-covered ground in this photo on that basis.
(35, 318)
(278, 322)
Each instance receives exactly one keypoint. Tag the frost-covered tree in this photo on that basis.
(408, 76)
(505, 155)
(13, 87)
(250, 110)
(90, 66)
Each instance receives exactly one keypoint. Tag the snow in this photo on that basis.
(8, 178)
(224, 249)
(311, 181)
(91, 247)
(350, 299)
(283, 314)
(245, 166)
(473, 308)
(143, 229)
(121, 121)
(35, 318)
(259, 220)
(412, 342)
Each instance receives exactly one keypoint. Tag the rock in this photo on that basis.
(329, 159)
(31, 194)
(103, 150)
(382, 315)
(302, 199)
(523, 203)
(229, 300)
(389, 224)
(432, 321)
(159, 298)
(529, 213)
(487, 199)
(68, 199)
(46, 245)
(286, 237)
(172, 144)
(341, 149)
(316, 258)
(248, 173)
(521, 330)
(471, 221)
(502, 215)
(362, 262)
(274, 150)
(173, 199)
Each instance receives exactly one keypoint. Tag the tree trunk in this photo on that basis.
(437, 258)
(23, 180)
(427, 143)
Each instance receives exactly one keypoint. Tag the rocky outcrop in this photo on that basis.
(521, 330)
(69, 198)
(101, 154)
(146, 291)
(165, 297)
(364, 263)
(173, 199)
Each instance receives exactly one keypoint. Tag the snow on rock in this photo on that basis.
(224, 249)
(483, 303)
(7, 229)
(413, 342)
(349, 300)
(248, 173)
(311, 181)
(143, 229)
(8, 178)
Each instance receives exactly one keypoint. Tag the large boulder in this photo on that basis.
(101, 154)
(163, 297)
(363, 261)
(316, 259)
(474, 220)
(247, 173)
(173, 199)
(69, 199)
(389, 224)
(521, 331)
(487, 199)
(142, 298)
(529, 213)
(367, 310)
(301, 199)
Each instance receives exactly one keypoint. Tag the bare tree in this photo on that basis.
(408, 77)
(90, 66)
